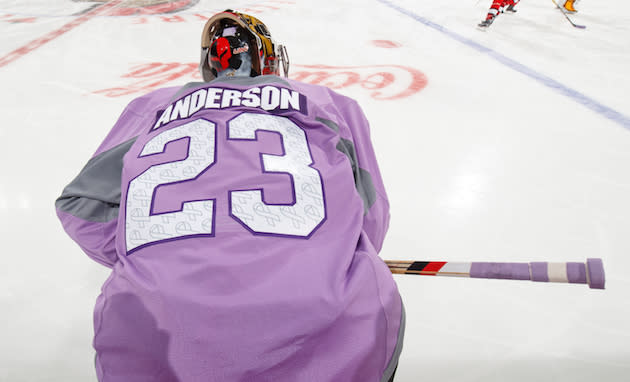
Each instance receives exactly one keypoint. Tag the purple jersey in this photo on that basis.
(242, 220)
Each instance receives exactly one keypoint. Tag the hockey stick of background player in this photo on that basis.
(567, 17)
(591, 272)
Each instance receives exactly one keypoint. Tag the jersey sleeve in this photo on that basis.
(367, 174)
(88, 206)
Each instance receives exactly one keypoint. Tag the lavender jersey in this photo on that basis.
(242, 220)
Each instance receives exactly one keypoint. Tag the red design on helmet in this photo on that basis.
(223, 52)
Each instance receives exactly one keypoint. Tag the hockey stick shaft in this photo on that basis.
(591, 272)
(567, 17)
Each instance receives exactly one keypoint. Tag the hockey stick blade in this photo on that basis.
(567, 17)
(591, 272)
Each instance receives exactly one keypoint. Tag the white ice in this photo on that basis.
(517, 149)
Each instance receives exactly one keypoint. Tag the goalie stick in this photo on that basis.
(591, 272)
(567, 17)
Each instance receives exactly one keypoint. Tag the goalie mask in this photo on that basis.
(236, 44)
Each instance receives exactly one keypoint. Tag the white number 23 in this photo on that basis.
(197, 218)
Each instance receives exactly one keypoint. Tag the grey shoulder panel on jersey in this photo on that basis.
(329, 123)
(362, 178)
(94, 195)
(393, 362)
(184, 88)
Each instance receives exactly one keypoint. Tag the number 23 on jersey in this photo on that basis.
(197, 218)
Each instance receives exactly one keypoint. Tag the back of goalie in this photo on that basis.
(242, 219)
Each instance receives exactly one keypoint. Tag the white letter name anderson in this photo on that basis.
(266, 98)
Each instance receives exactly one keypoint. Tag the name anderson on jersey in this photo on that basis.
(267, 98)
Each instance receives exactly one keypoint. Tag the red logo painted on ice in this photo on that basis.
(383, 82)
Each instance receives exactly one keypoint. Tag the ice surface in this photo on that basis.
(506, 145)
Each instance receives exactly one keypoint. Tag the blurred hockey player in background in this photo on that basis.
(242, 219)
(497, 7)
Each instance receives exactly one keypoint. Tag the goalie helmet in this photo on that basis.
(236, 44)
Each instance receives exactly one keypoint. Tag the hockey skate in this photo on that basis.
(510, 9)
(486, 23)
